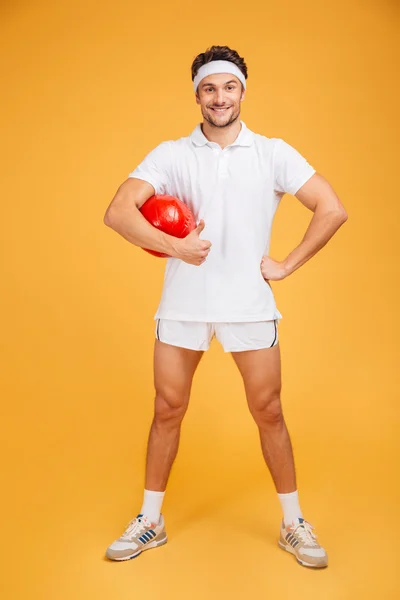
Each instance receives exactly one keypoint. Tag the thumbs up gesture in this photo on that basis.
(192, 249)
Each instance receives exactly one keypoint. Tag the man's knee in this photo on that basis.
(267, 408)
(170, 406)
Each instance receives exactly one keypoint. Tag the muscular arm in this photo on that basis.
(124, 217)
(329, 214)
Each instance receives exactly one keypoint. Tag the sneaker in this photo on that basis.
(299, 539)
(138, 536)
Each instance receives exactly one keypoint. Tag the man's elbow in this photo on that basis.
(109, 218)
(338, 214)
(342, 216)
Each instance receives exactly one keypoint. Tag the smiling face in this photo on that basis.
(219, 97)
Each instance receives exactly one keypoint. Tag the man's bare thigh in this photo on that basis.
(174, 368)
(260, 370)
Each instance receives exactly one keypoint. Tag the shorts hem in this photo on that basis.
(183, 347)
(249, 349)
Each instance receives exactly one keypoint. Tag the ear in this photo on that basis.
(197, 98)
(243, 96)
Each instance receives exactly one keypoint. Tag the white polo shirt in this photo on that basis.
(236, 191)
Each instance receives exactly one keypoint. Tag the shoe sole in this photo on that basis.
(289, 548)
(153, 544)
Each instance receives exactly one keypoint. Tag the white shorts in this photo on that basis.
(234, 337)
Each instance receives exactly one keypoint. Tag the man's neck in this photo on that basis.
(223, 136)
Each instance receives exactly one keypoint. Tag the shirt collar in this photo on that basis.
(245, 137)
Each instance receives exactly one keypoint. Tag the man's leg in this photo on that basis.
(174, 368)
(261, 373)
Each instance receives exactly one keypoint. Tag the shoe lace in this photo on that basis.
(304, 532)
(137, 525)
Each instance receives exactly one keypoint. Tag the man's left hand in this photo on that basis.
(272, 269)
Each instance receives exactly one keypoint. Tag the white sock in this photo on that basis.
(152, 502)
(290, 506)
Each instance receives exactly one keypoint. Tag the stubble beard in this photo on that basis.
(234, 116)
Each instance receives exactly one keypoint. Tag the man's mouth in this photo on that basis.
(220, 110)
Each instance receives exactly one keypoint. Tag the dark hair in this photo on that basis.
(218, 53)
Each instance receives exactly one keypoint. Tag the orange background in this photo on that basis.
(88, 89)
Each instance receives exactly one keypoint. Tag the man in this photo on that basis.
(232, 179)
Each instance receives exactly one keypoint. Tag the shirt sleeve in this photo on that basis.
(291, 169)
(155, 168)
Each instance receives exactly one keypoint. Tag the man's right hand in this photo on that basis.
(192, 249)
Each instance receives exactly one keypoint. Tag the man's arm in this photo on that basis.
(329, 214)
(123, 216)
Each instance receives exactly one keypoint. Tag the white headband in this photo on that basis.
(218, 66)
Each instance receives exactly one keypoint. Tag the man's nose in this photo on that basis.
(220, 98)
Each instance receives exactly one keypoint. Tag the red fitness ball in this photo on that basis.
(170, 215)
